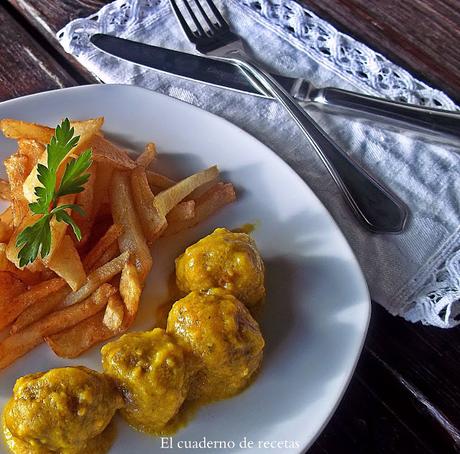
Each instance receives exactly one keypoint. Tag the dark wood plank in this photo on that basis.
(424, 361)
(51, 15)
(25, 67)
(364, 424)
(412, 371)
(41, 23)
(421, 35)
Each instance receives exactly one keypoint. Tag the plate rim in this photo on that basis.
(305, 443)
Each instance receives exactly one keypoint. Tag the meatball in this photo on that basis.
(59, 410)
(149, 370)
(223, 342)
(100, 444)
(223, 259)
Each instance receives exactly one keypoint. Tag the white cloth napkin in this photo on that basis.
(415, 274)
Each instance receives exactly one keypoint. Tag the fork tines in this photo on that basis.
(213, 20)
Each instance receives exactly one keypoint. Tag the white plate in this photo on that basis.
(317, 308)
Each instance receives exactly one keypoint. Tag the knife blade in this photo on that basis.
(187, 66)
(230, 76)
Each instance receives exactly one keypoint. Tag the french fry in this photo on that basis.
(10, 288)
(181, 212)
(102, 246)
(127, 206)
(10, 309)
(17, 129)
(58, 229)
(101, 187)
(5, 232)
(25, 275)
(114, 313)
(148, 156)
(11, 250)
(39, 309)
(5, 191)
(17, 169)
(106, 153)
(112, 251)
(152, 210)
(32, 149)
(86, 130)
(124, 213)
(85, 308)
(153, 223)
(97, 278)
(156, 180)
(86, 200)
(130, 291)
(166, 200)
(17, 345)
(7, 216)
(76, 340)
(66, 263)
(217, 197)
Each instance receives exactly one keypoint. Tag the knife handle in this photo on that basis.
(441, 121)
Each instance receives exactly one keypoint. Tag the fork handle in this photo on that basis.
(378, 209)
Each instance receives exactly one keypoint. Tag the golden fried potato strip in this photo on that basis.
(17, 345)
(107, 153)
(17, 168)
(76, 340)
(148, 156)
(17, 129)
(104, 243)
(66, 263)
(217, 197)
(39, 309)
(114, 313)
(10, 309)
(5, 191)
(130, 291)
(97, 278)
(124, 213)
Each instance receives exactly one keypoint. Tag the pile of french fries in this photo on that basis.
(85, 292)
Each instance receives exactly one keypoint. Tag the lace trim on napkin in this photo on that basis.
(365, 68)
(342, 54)
(434, 292)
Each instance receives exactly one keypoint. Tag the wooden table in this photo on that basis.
(405, 394)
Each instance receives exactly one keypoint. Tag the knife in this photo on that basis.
(229, 76)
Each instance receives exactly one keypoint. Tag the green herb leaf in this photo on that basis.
(60, 145)
(63, 216)
(73, 179)
(36, 238)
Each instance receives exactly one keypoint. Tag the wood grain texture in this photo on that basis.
(422, 36)
(25, 67)
(52, 15)
(43, 19)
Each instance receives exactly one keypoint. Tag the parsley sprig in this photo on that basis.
(36, 238)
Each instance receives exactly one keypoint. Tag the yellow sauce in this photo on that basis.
(65, 410)
(162, 311)
(223, 259)
(211, 350)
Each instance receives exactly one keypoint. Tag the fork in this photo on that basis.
(376, 207)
